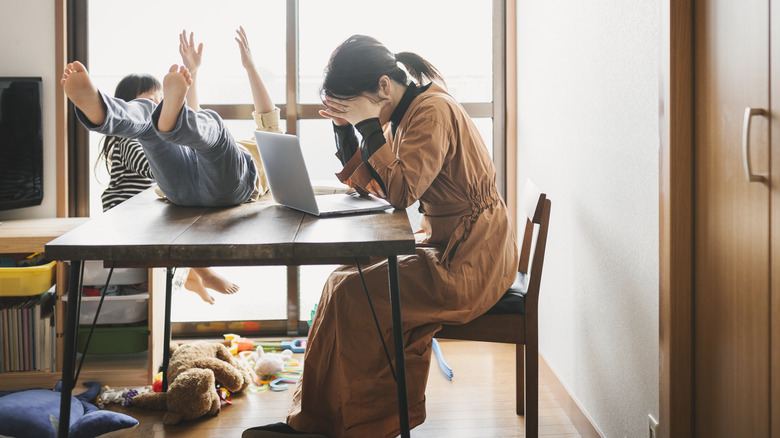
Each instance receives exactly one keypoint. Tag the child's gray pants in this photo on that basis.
(198, 163)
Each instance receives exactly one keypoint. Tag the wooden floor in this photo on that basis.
(478, 402)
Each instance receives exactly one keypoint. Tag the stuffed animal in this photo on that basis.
(269, 364)
(34, 413)
(121, 396)
(193, 371)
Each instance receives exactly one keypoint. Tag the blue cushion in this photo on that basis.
(513, 301)
(35, 412)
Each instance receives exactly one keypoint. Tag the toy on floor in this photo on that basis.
(271, 370)
(268, 364)
(121, 396)
(237, 344)
(443, 365)
(296, 345)
(34, 413)
(157, 384)
(194, 370)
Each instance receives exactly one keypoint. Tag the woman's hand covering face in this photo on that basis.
(353, 110)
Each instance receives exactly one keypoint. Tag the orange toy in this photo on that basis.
(237, 344)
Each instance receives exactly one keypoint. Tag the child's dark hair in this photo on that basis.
(130, 87)
(133, 85)
(358, 63)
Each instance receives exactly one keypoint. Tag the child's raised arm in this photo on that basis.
(191, 58)
(262, 101)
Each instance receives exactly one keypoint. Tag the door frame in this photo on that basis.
(676, 161)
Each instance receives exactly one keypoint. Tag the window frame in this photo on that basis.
(76, 169)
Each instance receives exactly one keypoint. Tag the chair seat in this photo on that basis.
(513, 301)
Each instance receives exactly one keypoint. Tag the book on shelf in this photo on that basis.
(26, 337)
(3, 343)
(13, 335)
(27, 331)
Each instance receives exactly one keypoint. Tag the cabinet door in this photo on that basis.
(774, 215)
(731, 221)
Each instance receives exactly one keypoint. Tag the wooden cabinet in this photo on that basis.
(736, 219)
(30, 235)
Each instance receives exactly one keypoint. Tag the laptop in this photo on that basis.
(290, 184)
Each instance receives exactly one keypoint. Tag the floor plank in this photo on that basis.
(478, 402)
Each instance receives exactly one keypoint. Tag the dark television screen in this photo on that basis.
(21, 142)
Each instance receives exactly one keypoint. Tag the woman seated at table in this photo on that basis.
(416, 144)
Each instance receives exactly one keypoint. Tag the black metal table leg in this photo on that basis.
(167, 334)
(69, 349)
(398, 341)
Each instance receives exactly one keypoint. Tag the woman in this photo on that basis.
(417, 143)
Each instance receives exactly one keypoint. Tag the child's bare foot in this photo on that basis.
(214, 281)
(195, 284)
(175, 86)
(82, 92)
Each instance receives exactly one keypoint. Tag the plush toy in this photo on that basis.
(194, 370)
(268, 364)
(34, 413)
(122, 396)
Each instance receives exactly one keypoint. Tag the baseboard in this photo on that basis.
(578, 418)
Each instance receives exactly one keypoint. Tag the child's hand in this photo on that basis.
(243, 47)
(190, 56)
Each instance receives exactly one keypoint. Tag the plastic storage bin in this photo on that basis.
(29, 280)
(119, 309)
(95, 274)
(114, 340)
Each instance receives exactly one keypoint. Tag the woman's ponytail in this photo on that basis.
(421, 70)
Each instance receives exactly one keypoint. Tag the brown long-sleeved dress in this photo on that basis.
(465, 260)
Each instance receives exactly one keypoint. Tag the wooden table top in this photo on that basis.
(146, 231)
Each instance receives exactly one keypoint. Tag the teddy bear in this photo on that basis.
(193, 371)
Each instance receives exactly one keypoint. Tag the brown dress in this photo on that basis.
(466, 259)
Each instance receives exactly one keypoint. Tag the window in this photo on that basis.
(291, 41)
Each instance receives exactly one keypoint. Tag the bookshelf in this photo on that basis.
(31, 235)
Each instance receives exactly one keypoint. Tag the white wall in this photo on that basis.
(588, 136)
(27, 35)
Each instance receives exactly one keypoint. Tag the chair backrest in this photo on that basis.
(536, 207)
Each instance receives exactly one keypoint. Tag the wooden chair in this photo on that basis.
(514, 318)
